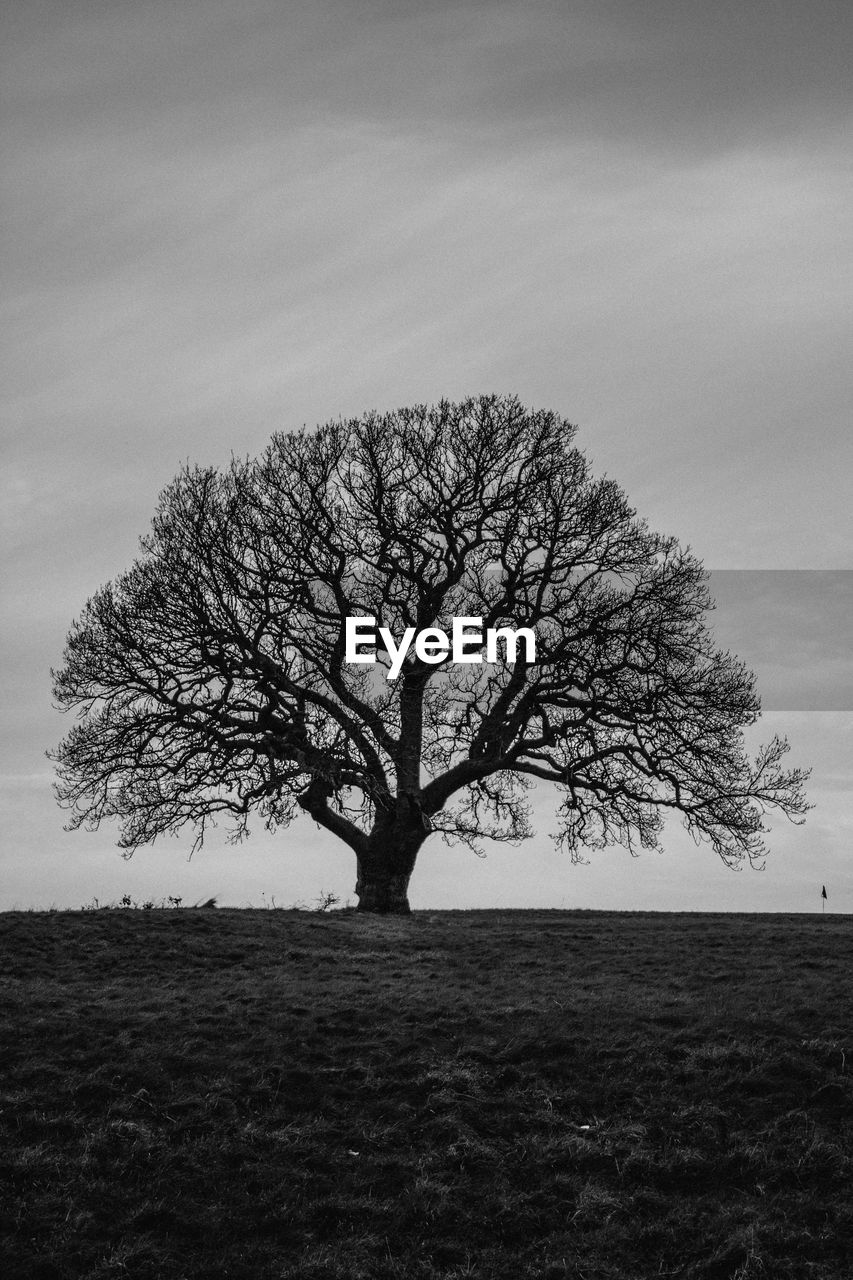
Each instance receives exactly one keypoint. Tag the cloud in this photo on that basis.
(793, 629)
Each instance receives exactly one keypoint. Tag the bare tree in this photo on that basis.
(212, 677)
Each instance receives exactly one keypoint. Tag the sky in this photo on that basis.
(228, 217)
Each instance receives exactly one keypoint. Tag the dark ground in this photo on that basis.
(253, 1094)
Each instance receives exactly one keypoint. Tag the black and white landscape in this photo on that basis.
(227, 219)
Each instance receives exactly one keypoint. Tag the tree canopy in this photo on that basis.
(211, 678)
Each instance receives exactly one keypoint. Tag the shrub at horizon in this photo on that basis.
(211, 678)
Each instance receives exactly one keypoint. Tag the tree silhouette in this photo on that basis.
(211, 678)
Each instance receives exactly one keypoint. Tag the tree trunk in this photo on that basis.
(384, 895)
(385, 867)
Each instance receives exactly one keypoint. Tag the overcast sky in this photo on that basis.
(227, 217)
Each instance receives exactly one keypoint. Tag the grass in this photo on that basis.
(252, 1094)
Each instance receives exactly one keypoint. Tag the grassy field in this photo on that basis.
(253, 1094)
